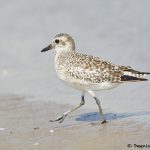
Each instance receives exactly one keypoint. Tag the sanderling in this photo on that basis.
(87, 73)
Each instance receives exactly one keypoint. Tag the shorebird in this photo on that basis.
(87, 73)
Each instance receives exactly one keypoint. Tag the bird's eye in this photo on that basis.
(57, 41)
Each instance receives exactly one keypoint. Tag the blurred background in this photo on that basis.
(118, 31)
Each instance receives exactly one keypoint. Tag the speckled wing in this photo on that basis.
(95, 70)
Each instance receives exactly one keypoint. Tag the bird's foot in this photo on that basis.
(101, 122)
(59, 119)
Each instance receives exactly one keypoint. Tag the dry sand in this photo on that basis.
(25, 126)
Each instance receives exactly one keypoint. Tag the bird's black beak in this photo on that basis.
(49, 47)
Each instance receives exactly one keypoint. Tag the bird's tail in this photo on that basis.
(133, 75)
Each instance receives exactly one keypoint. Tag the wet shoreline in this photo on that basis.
(25, 125)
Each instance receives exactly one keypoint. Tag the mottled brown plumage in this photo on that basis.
(93, 69)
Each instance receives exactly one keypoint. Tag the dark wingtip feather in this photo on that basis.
(144, 73)
(147, 73)
(131, 78)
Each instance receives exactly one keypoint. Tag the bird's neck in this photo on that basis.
(63, 51)
(63, 55)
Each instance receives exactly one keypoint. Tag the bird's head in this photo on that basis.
(61, 42)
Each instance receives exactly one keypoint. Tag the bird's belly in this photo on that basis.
(92, 86)
(81, 84)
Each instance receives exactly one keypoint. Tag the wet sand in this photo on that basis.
(25, 125)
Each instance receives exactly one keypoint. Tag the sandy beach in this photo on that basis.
(25, 125)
